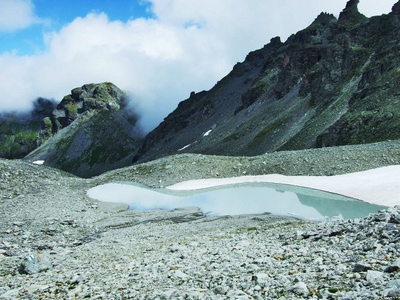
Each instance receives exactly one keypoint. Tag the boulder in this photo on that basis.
(35, 263)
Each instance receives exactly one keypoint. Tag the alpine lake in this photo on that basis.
(239, 199)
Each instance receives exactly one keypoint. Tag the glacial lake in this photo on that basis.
(239, 199)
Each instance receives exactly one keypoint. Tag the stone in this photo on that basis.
(394, 284)
(318, 261)
(219, 290)
(395, 219)
(393, 293)
(382, 217)
(331, 293)
(374, 276)
(180, 274)
(261, 279)
(361, 268)
(238, 294)
(319, 250)
(35, 263)
(11, 294)
(391, 269)
(300, 289)
(77, 278)
(19, 224)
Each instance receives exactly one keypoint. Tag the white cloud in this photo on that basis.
(190, 46)
(16, 14)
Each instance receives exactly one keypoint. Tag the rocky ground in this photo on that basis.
(57, 243)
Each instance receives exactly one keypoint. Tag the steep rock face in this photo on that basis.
(91, 131)
(333, 83)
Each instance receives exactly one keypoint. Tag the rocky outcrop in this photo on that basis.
(91, 131)
(333, 83)
(350, 15)
(90, 97)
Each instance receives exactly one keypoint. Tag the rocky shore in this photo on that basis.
(56, 243)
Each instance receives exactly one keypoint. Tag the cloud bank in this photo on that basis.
(16, 15)
(188, 46)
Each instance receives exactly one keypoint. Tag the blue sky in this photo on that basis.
(156, 50)
(53, 15)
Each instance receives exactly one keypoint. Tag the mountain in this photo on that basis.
(333, 83)
(19, 130)
(91, 131)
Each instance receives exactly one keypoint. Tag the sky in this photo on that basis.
(158, 51)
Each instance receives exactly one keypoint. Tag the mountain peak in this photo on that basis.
(396, 8)
(332, 83)
(91, 130)
(89, 97)
(352, 5)
(351, 15)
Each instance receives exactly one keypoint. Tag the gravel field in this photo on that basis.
(57, 243)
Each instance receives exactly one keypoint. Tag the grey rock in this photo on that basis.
(361, 268)
(395, 219)
(261, 279)
(374, 276)
(394, 284)
(77, 278)
(11, 294)
(238, 294)
(35, 263)
(393, 293)
(180, 274)
(392, 269)
(331, 294)
(219, 290)
(300, 289)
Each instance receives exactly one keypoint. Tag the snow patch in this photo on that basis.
(183, 148)
(38, 162)
(207, 133)
(377, 186)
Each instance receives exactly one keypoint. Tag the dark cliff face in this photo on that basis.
(89, 132)
(333, 83)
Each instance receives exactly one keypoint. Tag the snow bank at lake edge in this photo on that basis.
(377, 186)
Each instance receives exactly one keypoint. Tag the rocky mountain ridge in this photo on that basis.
(333, 83)
(92, 130)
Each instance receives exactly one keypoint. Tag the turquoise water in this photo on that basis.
(239, 199)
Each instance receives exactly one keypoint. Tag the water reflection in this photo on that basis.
(239, 199)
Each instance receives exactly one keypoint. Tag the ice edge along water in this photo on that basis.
(379, 186)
